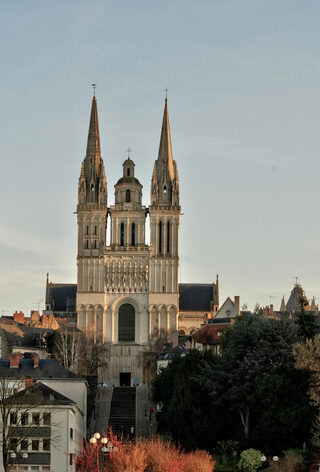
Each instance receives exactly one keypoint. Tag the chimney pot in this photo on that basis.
(35, 361)
(15, 360)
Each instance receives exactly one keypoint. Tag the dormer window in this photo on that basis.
(164, 189)
(92, 188)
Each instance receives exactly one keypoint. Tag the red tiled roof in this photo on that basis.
(208, 334)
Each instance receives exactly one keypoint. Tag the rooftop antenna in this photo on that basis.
(38, 303)
(94, 86)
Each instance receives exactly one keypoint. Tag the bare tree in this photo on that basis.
(67, 347)
(151, 353)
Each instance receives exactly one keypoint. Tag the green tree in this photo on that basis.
(254, 378)
(185, 407)
(306, 320)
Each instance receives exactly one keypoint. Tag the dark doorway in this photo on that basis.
(125, 379)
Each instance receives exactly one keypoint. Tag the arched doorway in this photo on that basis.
(126, 323)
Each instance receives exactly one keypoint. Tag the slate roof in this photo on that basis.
(178, 351)
(18, 334)
(219, 321)
(192, 297)
(196, 297)
(294, 302)
(40, 394)
(48, 369)
(62, 297)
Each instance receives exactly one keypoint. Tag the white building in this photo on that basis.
(49, 422)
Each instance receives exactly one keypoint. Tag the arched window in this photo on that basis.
(133, 234)
(126, 323)
(128, 172)
(168, 237)
(128, 196)
(160, 237)
(122, 234)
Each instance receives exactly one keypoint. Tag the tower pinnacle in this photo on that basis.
(92, 182)
(165, 181)
(93, 146)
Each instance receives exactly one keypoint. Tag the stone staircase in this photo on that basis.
(122, 419)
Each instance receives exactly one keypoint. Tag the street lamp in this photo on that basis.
(13, 455)
(264, 459)
(95, 441)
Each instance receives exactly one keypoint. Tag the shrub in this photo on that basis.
(150, 455)
(291, 462)
(198, 461)
(250, 460)
(129, 457)
(162, 457)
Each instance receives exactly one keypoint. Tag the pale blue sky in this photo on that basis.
(243, 80)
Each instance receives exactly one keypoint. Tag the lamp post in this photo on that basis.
(103, 441)
(13, 455)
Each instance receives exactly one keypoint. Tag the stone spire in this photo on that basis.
(92, 182)
(165, 180)
(313, 304)
(283, 305)
(165, 147)
(93, 146)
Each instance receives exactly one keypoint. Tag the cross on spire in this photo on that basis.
(94, 86)
(166, 90)
(129, 152)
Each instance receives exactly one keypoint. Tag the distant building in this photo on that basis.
(208, 336)
(128, 291)
(60, 300)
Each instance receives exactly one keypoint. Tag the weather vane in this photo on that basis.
(166, 90)
(94, 86)
(129, 152)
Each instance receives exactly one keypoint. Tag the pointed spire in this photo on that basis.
(93, 146)
(92, 186)
(313, 304)
(283, 305)
(165, 147)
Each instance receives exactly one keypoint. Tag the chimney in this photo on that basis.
(28, 382)
(15, 360)
(237, 304)
(18, 317)
(36, 361)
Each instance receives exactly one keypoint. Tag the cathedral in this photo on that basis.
(128, 293)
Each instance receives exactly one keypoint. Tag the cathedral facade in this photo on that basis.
(128, 291)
